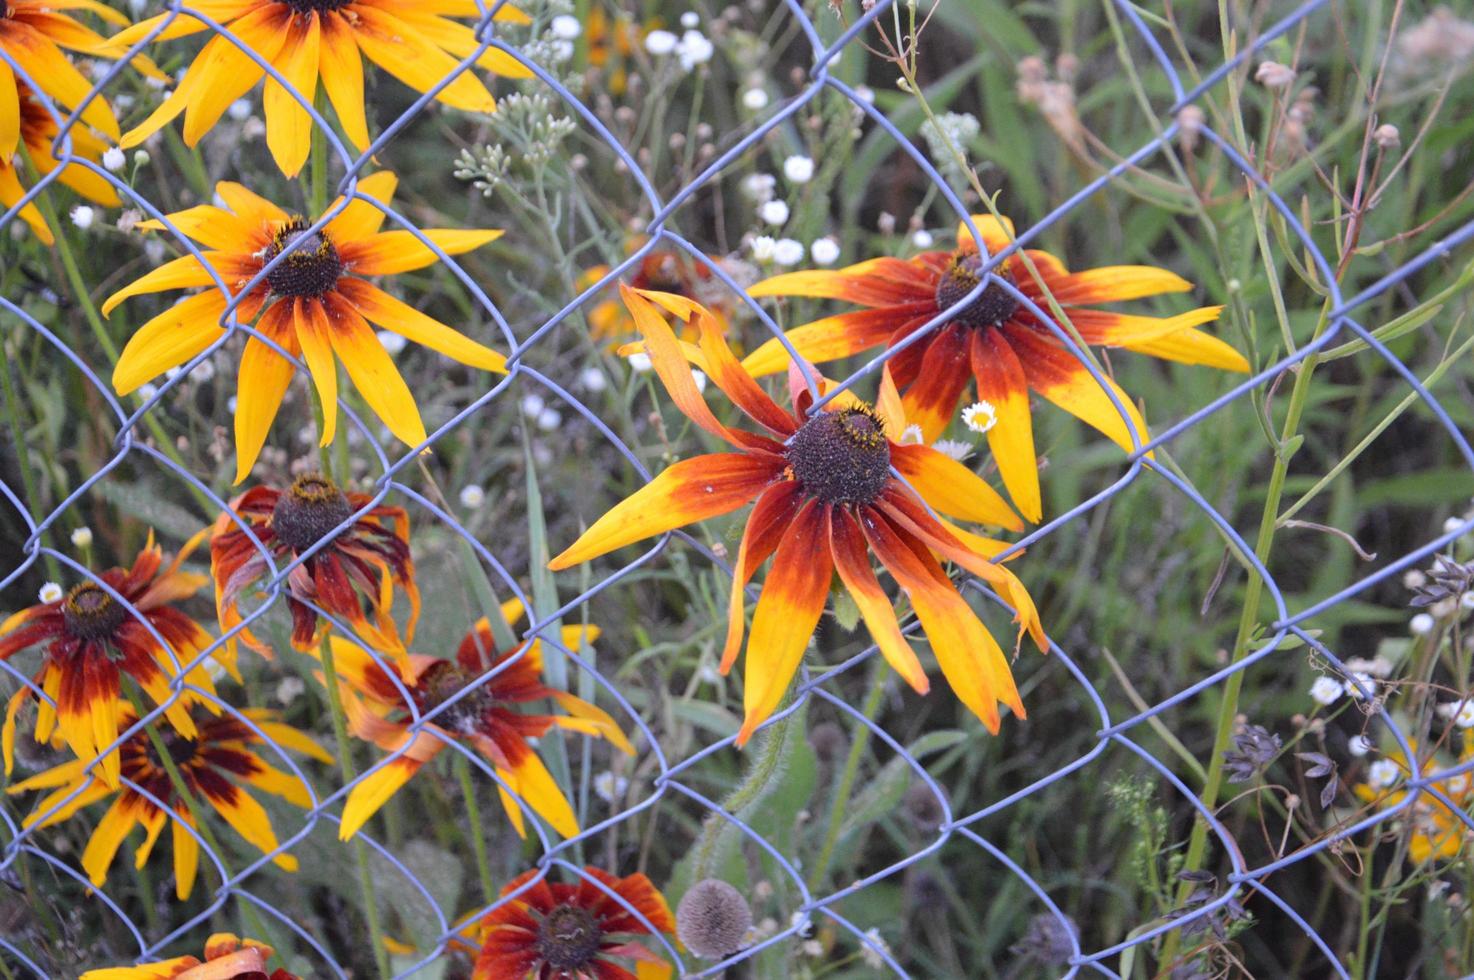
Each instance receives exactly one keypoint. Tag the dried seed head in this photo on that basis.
(713, 919)
(1387, 136)
(1273, 75)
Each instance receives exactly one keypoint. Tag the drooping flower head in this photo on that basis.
(359, 566)
(306, 40)
(219, 765)
(1435, 832)
(227, 957)
(37, 131)
(33, 33)
(316, 306)
(993, 341)
(825, 499)
(91, 640)
(556, 931)
(665, 271)
(485, 714)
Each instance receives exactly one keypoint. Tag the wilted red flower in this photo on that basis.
(360, 565)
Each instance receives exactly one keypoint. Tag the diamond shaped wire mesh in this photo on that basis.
(672, 779)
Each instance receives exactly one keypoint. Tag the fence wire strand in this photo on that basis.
(813, 686)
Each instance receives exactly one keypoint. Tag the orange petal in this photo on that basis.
(952, 488)
(169, 339)
(688, 491)
(361, 216)
(314, 334)
(373, 371)
(970, 658)
(1115, 282)
(736, 382)
(1002, 384)
(766, 525)
(288, 123)
(391, 252)
(792, 601)
(1107, 329)
(262, 381)
(1060, 377)
(932, 399)
(1194, 347)
(372, 791)
(997, 232)
(877, 282)
(341, 67)
(852, 562)
(834, 337)
(414, 326)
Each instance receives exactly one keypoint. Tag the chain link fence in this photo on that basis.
(239, 887)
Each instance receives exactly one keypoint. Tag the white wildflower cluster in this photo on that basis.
(950, 134)
(692, 48)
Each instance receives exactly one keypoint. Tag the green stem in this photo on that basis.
(350, 773)
(473, 817)
(1248, 623)
(847, 777)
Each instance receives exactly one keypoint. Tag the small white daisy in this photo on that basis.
(392, 342)
(566, 26)
(980, 417)
(82, 537)
(593, 379)
(1421, 625)
(639, 362)
(472, 496)
(1383, 773)
(1358, 745)
(660, 43)
(954, 448)
(788, 251)
(922, 239)
(1367, 683)
(83, 216)
(755, 99)
(114, 159)
(50, 592)
(1325, 690)
(609, 787)
(773, 212)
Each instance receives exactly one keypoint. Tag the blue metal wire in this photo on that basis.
(675, 777)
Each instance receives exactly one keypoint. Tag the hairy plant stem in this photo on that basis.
(350, 772)
(842, 792)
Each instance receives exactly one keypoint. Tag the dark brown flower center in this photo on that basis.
(90, 613)
(307, 511)
(181, 750)
(443, 681)
(311, 268)
(961, 277)
(569, 937)
(841, 457)
(316, 6)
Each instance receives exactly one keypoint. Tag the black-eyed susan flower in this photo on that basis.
(557, 931)
(218, 765)
(825, 499)
(316, 304)
(1435, 833)
(37, 131)
(486, 717)
(91, 640)
(33, 33)
(994, 341)
(665, 271)
(360, 566)
(306, 40)
(227, 957)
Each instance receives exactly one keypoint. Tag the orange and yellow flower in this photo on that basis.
(218, 765)
(665, 271)
(227, 957)
(825, 499)
(556, 931)
(1436, 832)
(37, 130)
(359, 566)
(993, 340)
(33, 33)
(484, 717)
(91, 640)
(306, 40)
(611, 41)
(316, 306)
